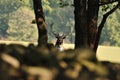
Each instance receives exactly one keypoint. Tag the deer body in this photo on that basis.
(59, 47)
(60, 38)
(59, 43)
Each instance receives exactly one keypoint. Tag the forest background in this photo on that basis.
(16, 22)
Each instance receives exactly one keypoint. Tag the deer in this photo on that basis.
(60, 38)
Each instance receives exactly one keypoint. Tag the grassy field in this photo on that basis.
(104, 53)
(107, 53)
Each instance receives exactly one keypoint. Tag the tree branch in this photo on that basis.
(105, 16)
(105, 3)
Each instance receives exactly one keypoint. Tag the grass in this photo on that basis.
(104, 53)
(109, 53)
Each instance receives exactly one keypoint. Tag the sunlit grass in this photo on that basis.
(107, 53)
(104, 53)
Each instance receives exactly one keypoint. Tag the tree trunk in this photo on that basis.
(87, 32)
(86, 16)
(40, 20)
(80, 24)
(92, 18)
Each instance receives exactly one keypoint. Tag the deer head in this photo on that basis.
(59, 37)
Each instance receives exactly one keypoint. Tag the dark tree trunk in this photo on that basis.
(41, 25)
(87, 32)
(86, 15)
(92, 18)
(80, 24)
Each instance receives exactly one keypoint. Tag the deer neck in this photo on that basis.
(59, 47)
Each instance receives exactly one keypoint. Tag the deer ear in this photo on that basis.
(56, 36)
(64, 37)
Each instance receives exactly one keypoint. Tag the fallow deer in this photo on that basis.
(60, 38)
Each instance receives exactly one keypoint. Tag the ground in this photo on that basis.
(104, 53)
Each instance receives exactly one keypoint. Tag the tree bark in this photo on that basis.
(40, 20)
(80, 24)
(92, 18)
(86, 16)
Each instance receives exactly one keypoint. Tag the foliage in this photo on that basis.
(111, 32)
(64, 3)
(6, 7)
(108, 7)
(54, 13)
(21, 27)
(16, 20)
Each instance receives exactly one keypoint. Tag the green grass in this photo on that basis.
(104, 53)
